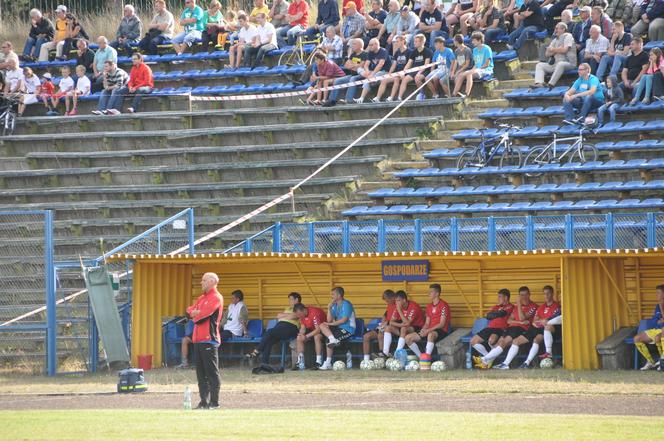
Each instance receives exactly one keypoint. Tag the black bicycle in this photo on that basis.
(8, 115)
(483, 153)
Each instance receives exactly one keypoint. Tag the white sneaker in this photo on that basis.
(434, 97)
(325, 367)
(375, 100)
(130, 109)
(333, 343)
(113, 112)
(399, 99)
(389, 99)
(358, 100)
(97, 112)
(648, 366)
(502, 366)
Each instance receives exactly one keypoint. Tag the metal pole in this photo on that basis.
(417, 238)
(491, 239)
(609, 237)
(276, 238)
(51, 319)
(190, 226)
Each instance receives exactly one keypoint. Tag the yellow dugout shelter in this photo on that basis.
(600, 290)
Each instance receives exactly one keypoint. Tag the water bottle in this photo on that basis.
(349, 360)
(187, 399)
(469, 364)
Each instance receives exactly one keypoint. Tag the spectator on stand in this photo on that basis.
(386, 32)
(75, 32)
(483, 65)
(460, 12)
(85, 57)
(406, 25)
(655, 64)
(635, 66)
(332, 45)
(104, 53)
(464, 59)
(298, 21)
(245, 38)
(353, 24)
(599, 18)
(41, 31)
(554, 10)
(213, 25)
(581, 31)
(47, 92)
(491, 22)
(83, 87)
(584, 96)
(561, 56)
(652, 20)
(263, 42)
(596, 47)
(59, 35)
(65, 87)
(110, 99)
(7, 54)
(374, 20)
(531, 20)
(279, 11)
(419, 56)
(129, 31)
(160, 29)
(400, 58)
(376, 64)
(326, 72)
(32, 87)
(141, 82)
(617, 52)
(259, 8)
(15, 81)
(191, 21)
(352, 66)
(614, 99)
(432, 24)
(328, 15)
(446, 62)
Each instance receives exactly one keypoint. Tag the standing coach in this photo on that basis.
(206, 315)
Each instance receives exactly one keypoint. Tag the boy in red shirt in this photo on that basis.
(310, 319)
(436, 325)
(206, 315)
(497, 317)
(545, 324)
(389, 297)
(410, 318)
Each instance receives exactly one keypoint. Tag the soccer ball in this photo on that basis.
(413, 358)
(339, 366)
(546, 363)
(438, 366)
(379, 363)
(366, 365)
(389, 362)
(395, 365)
(413, 365)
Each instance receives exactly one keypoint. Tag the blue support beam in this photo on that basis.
(51, 319)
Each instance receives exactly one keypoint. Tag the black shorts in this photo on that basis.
(340, 333)
(485, 333)
(416, 329)
(440, 334)
(514, 332)
(534, 332)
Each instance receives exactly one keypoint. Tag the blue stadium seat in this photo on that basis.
(201, 90)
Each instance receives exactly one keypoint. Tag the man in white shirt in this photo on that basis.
(14, 79)
(596, 46)
(235, 318)
(245, 37)
(264, 41)
(7, 53)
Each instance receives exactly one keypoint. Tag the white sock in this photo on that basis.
(556, 320)
(401, 343)
(548, 341)
(495, 353)
(429, 347)
(514, 349)
(300, 358)
(533, 353)
(416, 350)
(328, 360)
(367, 357)
(319, 359)
(332, 339)
(479, 347)
(387, 341)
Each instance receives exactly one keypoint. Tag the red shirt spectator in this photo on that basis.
(329, 69)
(299, 7)
(141, 76)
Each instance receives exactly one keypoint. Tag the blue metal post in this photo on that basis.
(417, 237)
(610, 232)
(276, 238)
(530, 233)
(190, 228)
(93, 340)
(454, 234)
(382, 242)
(345, 237)
(491, 239)
(651, 233)
(569, 231)
(248, 245)
(51, 318)
(158, 240)
(312, 237)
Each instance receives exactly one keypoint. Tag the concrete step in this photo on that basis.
(513, 84)
(364, 186)
(427, 145)
(486, 104)
(461, 124)
(402, 165)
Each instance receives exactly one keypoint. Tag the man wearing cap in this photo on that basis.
(206, 314)
(59, 36)
(353, 24)
(581, 31)
(406, 26)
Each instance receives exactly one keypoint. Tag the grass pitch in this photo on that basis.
(318, 425)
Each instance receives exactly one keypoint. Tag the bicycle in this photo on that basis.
(7, 116)
(482, 154)
(578, 151)
(297, 55)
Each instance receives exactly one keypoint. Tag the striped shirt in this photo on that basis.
(116, 78)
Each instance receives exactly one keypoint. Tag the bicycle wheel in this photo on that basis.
(290, 58)
(585, 153)
(511, 157)
(9, 123)
(537, 156)
(469, 158)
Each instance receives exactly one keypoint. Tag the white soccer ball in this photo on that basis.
(366, 365)
(546, 363)
(413, 365)
(395, 365)
(438, 366)
(389, 362)
(413, 358)
(379, 363)
(339, 366)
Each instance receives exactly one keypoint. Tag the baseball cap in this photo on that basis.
(61, 8)
(48, 76)
(405, 9)
(586, 9)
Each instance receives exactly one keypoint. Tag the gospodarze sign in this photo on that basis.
(405, 270)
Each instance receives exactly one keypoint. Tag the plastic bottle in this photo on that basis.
(349, 360)
(187, 398)
(469, 364)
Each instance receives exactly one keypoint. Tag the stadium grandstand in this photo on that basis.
(303, 145)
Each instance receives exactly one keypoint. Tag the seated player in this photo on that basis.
(310, 320)
(377, 334)
(517, 326)
(642, 339)
(497, 317)
(184, 347)
(547, 317)
(340, 324)
(436, 325)
(410, 318)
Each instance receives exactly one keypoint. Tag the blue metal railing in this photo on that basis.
(495, 233)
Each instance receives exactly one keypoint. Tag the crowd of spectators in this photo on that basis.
(355, 45)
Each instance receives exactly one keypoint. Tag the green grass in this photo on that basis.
(239, 425)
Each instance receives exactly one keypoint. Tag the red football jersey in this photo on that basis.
(315, 316)
(500, 322)
(546, 312)
(391, 312)
(438, 312)
(414, 312)
(528, 312)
